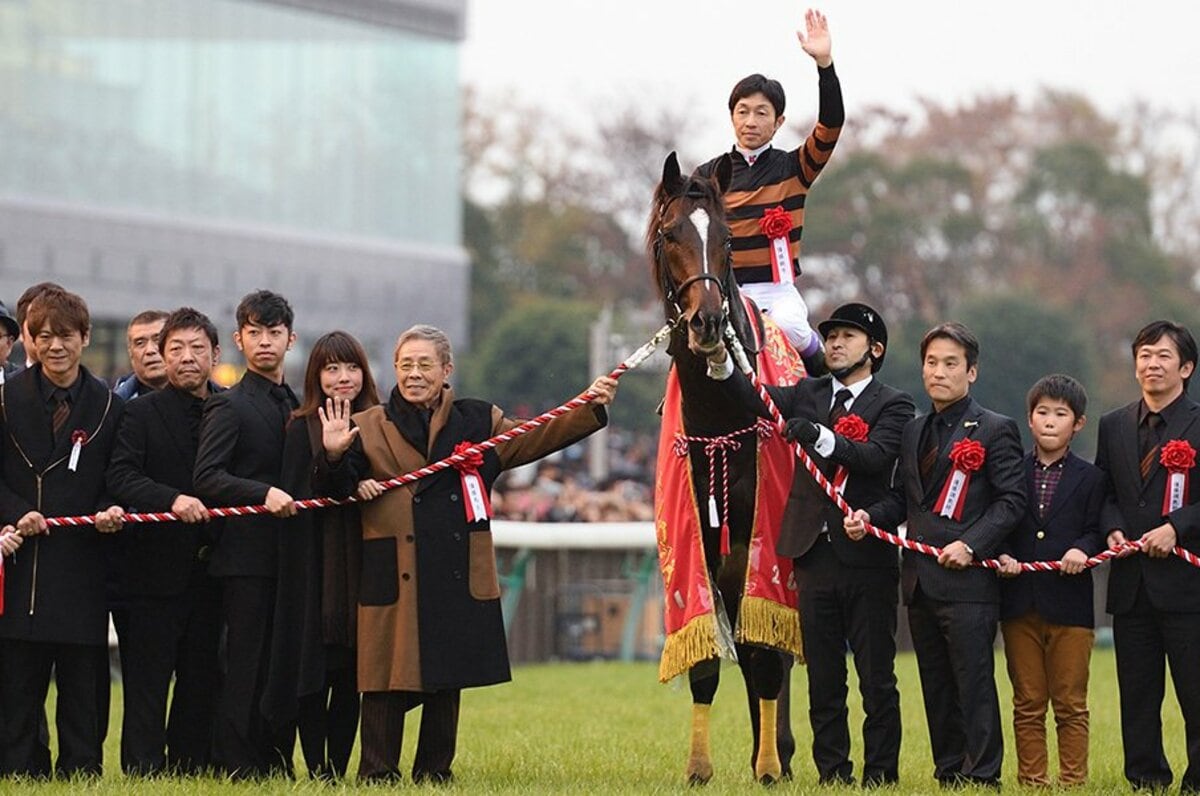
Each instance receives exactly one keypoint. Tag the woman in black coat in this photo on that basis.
(311, 680)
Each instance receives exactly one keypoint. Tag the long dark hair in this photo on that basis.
(336, 347)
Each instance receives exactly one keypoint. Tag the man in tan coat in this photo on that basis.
(429, 607)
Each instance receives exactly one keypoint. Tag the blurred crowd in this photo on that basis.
(560, 489)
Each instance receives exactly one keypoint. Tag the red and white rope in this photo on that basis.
(780, 424)
(632, 361)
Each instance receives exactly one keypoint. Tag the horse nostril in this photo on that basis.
(697, 322)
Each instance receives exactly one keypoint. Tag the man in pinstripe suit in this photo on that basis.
(959, 484)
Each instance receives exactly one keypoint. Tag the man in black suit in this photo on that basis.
(1155, 598)
(57, 427)
(960, 485)
(172, 604)
(850, 423)
(239, 463)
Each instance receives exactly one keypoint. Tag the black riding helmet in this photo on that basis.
(861, 317)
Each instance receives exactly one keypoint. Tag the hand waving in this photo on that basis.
(815, 40)
(336, 432)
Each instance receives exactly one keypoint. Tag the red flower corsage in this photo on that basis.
(1178, 454)
(79, 437)
(775, 222)
(968, 455)
(852, 427)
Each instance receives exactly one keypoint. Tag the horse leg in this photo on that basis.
(783, 725)
(764, 685)
(703, 679)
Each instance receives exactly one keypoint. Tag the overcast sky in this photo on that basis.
(582, 57)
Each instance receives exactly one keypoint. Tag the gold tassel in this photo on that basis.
(770, 624)
(694, 642)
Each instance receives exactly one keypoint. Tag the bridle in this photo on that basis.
(671, 291)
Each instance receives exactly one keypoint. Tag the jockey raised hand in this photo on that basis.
(766, 197)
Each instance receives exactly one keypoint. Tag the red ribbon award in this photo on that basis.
(855, 429)
(1179, 457)
(776, 224)
(475, 496)
(967, 456)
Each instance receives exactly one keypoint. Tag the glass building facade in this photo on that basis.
(202, 147)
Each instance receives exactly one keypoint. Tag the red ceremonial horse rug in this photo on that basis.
(768, 615)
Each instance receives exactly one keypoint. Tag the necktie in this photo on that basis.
(61, 411)
(285, 399)
(929, 451)
(751, 159)
(1148, 442)
(839, 410)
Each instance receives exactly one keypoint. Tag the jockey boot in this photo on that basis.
(699, 767)
(767, 767)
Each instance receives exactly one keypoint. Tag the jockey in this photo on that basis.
(765, 200)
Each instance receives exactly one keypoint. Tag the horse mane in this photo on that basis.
(695, 191)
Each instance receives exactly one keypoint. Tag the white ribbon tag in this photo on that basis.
(783, 260)
(76, 449)
(714, 517)
(474, 493)
(1176, 486)
(954, 491)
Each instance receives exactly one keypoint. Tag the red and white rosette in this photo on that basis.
(776, 224)
(475, 497)
(855, 429)
(79, 438)
(1179, 457)
(967, 456)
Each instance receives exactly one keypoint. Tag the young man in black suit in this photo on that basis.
(1047, 617)
(173, 605)
(850, 423)
(960, 486)
(57, 427)
(239, 463)
(1147, 449)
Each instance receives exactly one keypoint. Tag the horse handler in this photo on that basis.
(850, 422)
(429, 621)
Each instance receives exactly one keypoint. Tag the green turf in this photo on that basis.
(611, 728)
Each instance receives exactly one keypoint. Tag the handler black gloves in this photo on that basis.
(800, 430)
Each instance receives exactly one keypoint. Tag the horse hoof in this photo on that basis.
(767, 780)
(699, 772)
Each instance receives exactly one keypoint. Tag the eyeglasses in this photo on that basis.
(423, 365)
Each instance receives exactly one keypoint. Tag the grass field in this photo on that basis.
(611, 728)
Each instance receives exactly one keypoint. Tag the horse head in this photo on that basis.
(689, 244)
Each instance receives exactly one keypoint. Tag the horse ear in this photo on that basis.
(724, 172)
(672, 179)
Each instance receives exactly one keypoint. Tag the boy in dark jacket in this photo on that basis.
(1047, 617)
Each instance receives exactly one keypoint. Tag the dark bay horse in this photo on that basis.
(689, 244)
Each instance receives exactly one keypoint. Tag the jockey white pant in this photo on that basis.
(786, 307)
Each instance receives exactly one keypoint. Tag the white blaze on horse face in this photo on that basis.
(699, 219)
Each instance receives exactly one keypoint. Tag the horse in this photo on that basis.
(688, 242)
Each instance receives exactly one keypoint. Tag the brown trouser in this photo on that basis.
(1048, 663)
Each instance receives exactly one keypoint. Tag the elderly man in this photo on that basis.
(149, 370)
(429, 607)
(10, 333)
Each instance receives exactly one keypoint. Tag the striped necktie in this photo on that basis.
(61, 411)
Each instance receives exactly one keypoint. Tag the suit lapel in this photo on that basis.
(1069, 481)
(22, 402)
(174, 422)
(967, 426)
(1176, 429)
(259, 397)
(823, 395)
